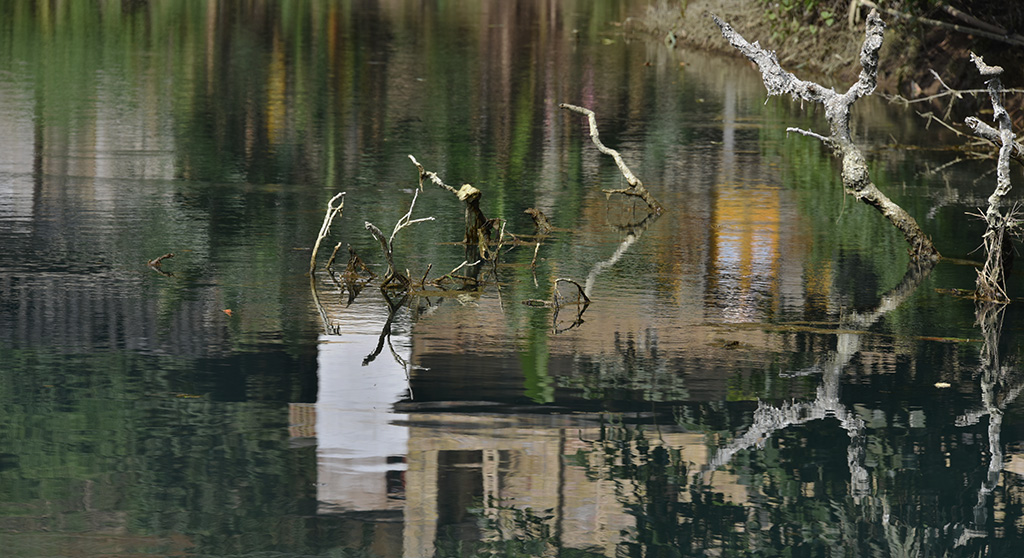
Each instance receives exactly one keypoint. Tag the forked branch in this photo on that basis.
(837, 110)
(387, 245)
(325, 229)
(991, 282)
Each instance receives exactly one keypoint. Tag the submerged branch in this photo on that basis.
(155, 264)
(544, 228)
(636, 188)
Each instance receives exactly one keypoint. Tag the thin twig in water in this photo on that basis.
(636, 188)
(325, 229)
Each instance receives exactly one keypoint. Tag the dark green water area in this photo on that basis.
(760, 371)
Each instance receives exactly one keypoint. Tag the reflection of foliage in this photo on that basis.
(635, 366)
(508, 531)
(129, 444)
(673, 518)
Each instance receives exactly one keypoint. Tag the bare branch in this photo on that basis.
(432, 176)
(823, 139)
(477, 230)
(325, 229)
(405, 220)
(837, 110)
(636, 188)
(991, 282)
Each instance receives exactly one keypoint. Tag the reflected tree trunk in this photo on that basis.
(769, 419)
(1000, 386)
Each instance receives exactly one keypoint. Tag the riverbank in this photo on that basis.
(910, 51)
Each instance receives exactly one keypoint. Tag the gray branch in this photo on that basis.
(991, 282)
(837, 110)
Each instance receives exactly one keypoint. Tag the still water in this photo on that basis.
(759, 373)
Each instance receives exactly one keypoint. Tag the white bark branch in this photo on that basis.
(837, 110)
(325, 229)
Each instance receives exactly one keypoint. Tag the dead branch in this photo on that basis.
(560, 300)
(334, 254)
(156, 262)
(636, 188)
(476, 223)
(325, 229)
(991, 282)
(994, 136)
(837, 110)
(540, 221)
(155, 265)
(389, 257)
(542, 229)
(451, 275)
(989, 31)
(387, 246)
(356, 275)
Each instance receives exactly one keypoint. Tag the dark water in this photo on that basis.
(759, 373)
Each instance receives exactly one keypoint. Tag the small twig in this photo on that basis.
(462, 265)
(156, 262)
(823, 139)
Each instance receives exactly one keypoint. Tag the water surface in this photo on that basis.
(760, 371)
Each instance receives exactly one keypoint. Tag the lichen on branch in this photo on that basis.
(991, 282)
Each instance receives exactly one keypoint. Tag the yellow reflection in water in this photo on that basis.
(744, 247)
